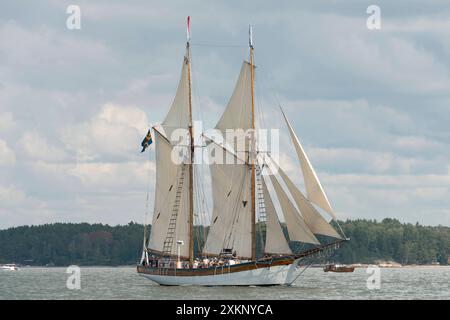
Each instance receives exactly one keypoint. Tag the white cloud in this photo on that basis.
(7, 156)
(116, 131)
(18, 208)
(387, 181)
(432, 26)
(7, 121)
(36, 147)
(347, 122)
(390, 59)
(416, 143)
(11, 196)
(370, 108)
(123, 176)
(117, 11)
(369, 161)
(44, 46)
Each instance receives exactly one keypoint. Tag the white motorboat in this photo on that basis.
(10, 267)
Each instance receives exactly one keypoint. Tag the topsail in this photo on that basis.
(237, 114)
(178, 115)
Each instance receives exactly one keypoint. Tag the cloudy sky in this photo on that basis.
(372, 107)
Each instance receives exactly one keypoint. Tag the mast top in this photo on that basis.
(250, 36)
(188, 29)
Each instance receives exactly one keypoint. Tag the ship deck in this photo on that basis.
(226, 269)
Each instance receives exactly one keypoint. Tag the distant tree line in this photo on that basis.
(62, 244)
(372, 241)
(72, 243)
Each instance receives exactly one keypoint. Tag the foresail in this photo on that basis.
(314, 189)
(178, 115)
(231, 223)
(275, 240)
(169, 177)
(297, 228)
(316, 223)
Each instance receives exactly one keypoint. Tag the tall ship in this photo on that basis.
(244, 242)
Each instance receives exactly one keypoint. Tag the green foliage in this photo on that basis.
(390, 240)
(98, 244)
(69, 243)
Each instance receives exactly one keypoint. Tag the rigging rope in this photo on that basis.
(204, 44)
(308, 266)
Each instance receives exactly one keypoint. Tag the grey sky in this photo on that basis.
(370, 106)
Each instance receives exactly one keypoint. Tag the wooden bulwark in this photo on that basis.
(219, 270)
(214, 270)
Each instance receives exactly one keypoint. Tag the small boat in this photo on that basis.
(338, 268)
(10, 267)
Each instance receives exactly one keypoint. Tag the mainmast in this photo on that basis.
(191, 156)
(253, 145)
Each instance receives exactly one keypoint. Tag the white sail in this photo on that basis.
(316, 223)
(172, 177)
(275, 240)
(231, 223)
(178, 115)
(237, 114)
(168, 179)
(314, 189)
(232, 228)
(297, 228)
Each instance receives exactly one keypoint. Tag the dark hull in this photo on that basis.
(339, 269)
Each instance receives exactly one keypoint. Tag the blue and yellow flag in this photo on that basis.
(147, 141)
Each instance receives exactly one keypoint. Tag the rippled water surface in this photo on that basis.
(125, 283)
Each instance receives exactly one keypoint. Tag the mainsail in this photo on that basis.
(178, 115)
(314, 189)
(232, 224)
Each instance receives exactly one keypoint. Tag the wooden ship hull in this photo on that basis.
(333, 268)
(265, 272)
(280, 272)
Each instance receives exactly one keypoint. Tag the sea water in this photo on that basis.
(125, 283)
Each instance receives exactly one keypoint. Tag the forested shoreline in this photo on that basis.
(62, 244)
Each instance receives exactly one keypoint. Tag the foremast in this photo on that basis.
(173, 216)
(191, 152)
(253, 145)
